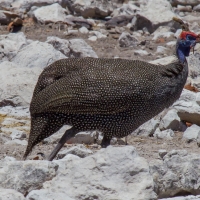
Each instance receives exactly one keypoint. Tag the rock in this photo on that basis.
(126, 9)
(177, 174)
(184, 8)
(9, 158)
(171, 44)
(185, 2)
(147, 129)
(28, 175)
(127, 40)
(163, 61)
(17, 82)
(141, 53)
(93, 38)
(18, 135)
(71, 33)
(99, 173)
(171, 121)
(87, 137)
(17, 142)
(79, 150)
(197, 8)
(78, 22)
(161, 50)
(97, 34)
(10, 44)
(4, 20)
(21, 6)
(162, 32)
(121, 20)
(9, 194)
(90, 9)
(189, 197)
(28, 56)
(162, 153)
(51, 13)
(79, 49)
(192, 133)
(187, 107)
(166, 134)
(83, 30)
(43, 194)
(148, 17)
(61, 45)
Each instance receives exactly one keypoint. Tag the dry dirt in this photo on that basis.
(146, 146)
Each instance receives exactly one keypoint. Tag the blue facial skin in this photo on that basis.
(184, 47)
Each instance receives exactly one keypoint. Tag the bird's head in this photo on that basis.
(186, 41)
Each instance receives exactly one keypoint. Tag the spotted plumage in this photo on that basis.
(114, 96)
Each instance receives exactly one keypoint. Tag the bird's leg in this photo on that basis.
(67, 135)
(105, 142)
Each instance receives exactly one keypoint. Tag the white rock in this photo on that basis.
(71, 32)
(91, 9)
(187, 107)
(166, 134)
(164, 61)
(17, 82)
(79, 150)
(51, 13)
(93, 38)
(47, 195)
(18, 142)
(10, 44)
(189, 197)
(9, 194)
(185, 2)
(161, 50)
(18, 135)
(155, 14)
(178, 32)
(171, 44)
(9, 158)
(170, 121)
(61, 45)
(127, 40)
(178, 172)
(111, 173)
(192, 133)
(37, 54)
(25, 176)
(162, 152)
(197, 8)
(83, 30)
(141, 52)
(97, 34)
(81, 49)
(148, 128)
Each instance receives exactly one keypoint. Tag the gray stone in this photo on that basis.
(28, 56)
(46, 195)
(192, 133)
(162, 153)
(179, 172)
(163, 61)
(162, 32)
(189, 197)
(83, 30)
(28, 175)
(90, 9)
(127, 40)
(171, 121)
(17, 142)
(187, 107)
(197, 8)
(10, 45)
(79, 49)
(111, 173)
(141, 53)
(185, 2)
(148, 128)
(18, 135)
(51, 13)
(71, 33)
(156, 13)
(10, 194)
(166, 134)
(17, 82)
(97, 34)
(79, 150)
(93, 38)
(161, 50)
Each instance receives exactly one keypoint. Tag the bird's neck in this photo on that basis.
(181, 56)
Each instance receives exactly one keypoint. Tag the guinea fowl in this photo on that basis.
(114, 96)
